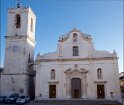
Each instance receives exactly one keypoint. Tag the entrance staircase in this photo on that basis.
(76, 102)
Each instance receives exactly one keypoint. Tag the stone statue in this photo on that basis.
(52, 74)
(99, 72)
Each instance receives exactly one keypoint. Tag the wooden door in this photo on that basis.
(100, 91)
(76, 87)
(52, 91)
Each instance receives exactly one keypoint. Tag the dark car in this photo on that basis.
(12, 98)
(23, 99)
(2, 99)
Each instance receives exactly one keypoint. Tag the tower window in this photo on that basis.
(31, 25)
(52, 74)
(18, 21)
(99, 73)
(75, 51)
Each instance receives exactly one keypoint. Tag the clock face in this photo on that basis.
(15, 48)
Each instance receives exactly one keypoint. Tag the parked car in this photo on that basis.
(2, 99)
(12, 98)
(23, 99)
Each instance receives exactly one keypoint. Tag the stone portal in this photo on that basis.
(76, 83)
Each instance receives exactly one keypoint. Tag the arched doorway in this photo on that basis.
(76, 87)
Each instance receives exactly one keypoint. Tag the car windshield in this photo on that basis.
(22, 97)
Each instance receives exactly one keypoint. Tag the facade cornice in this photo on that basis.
(53, 81)
(23, 9)
(20, 37)
(15, 36)
(100, 81)
(77, 59)
(15, 74)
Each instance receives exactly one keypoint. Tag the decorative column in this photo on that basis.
(84, 86)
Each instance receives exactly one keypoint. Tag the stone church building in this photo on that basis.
(75, 70)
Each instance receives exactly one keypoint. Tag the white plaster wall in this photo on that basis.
(43, 76)
(44, 73)
(110, 75)
(93, 59)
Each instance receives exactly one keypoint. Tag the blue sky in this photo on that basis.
(103, 19)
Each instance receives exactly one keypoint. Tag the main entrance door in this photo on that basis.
(76, 87)
(52, 91)
(100, 91)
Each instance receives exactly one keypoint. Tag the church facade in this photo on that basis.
(75, 70)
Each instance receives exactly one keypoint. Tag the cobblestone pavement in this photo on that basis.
(71, 102)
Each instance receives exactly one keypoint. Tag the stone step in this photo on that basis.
(76, 102)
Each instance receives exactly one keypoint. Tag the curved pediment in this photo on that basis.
(70, 71)
(63, 37)
(84, 36)
(83, 70)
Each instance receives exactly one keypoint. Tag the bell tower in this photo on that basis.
(17, 76)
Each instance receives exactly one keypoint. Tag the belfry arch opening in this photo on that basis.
(17, 21)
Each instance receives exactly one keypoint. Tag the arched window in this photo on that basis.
(18, 21)
(74, 37)
(99, 73)
(31, 27)
(75, 51)
(52, 74)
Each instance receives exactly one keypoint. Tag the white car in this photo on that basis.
(23, 100)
